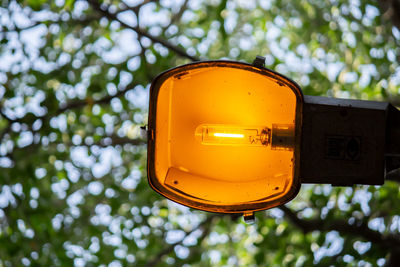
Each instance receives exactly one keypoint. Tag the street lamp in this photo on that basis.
(232, 137)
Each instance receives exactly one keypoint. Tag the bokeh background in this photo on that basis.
(74, 85)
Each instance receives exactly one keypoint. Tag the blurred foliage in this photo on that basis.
(74, 80)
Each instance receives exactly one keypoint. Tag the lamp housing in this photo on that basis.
(224, 136)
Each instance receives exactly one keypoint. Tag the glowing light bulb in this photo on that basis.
(217, 134)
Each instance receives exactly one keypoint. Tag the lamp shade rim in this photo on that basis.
(179, 197)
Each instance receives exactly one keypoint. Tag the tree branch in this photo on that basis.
(393, 176)
(137, 7)
(18, 29)
(391, 10)
(115, 140)
(387, 241)
(80, 103)
(177, 16)
(205, 226)
(104, 100)
(141, 32)
(74, 105)
(107, 141)
(2, 114)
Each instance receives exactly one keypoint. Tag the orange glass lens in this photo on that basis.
(224, 137)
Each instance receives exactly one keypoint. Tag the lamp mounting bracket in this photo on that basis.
(347, 142)
(259, 62)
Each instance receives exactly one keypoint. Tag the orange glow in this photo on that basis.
(229, 135)
(232, 135)
(213, 145)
